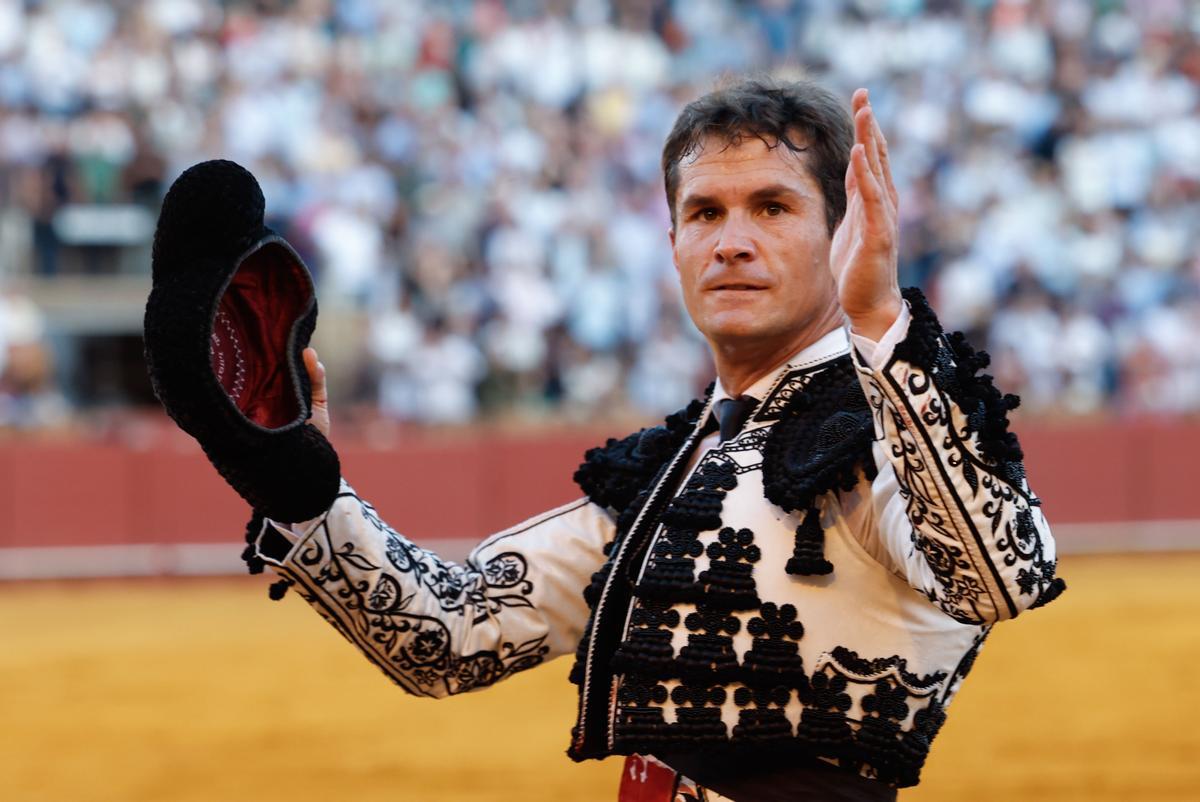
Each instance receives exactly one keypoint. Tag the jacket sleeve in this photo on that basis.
(952, 504)
(435, 627)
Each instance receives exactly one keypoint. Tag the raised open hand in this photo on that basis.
(865, 251)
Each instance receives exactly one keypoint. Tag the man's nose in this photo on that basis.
(735, 243)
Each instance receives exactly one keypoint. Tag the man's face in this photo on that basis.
(751, 246)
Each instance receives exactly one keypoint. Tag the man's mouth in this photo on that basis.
(733, 287)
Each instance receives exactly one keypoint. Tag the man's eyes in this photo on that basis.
(710, 213)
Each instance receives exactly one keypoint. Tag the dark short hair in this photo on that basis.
(799, 114)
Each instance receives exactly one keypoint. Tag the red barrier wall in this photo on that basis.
(470, 484)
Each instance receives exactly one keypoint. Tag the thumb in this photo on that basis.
(320, 395)
(316, 376)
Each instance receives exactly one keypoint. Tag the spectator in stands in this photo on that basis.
(28, 397)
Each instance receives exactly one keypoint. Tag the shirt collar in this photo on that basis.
(834, 344)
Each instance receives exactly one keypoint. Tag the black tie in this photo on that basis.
(732, 414)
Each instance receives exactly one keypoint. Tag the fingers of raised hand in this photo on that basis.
(874, 199)
(859, 99)
(886, 167)
(864, 135)
(868, 133)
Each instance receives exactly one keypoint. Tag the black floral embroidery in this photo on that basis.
(647, 647)
(639, 729)
(777, 695)
(387, 597)
(428, 645)
(823, 724)
(699, 505)
(927, 721)
(640, 723)
(415, 650)
(887, 702)
(954, 366)
(1039, 579)
(641, 691)
(944, 558)
(505, 571)
(1028, 581)
(774, 659)
(482, 591)
(762, 725)
(729, 580)
(878, 737)
(727, 583)
(828, 693)
(709, 650)
(699, 726)
(670, 573)
(958, 592)
(776, 623)
(712, 620)
(868, 669)
(785, 389)
(639, 714)
(698, 695)
(944, 381)
(655, 614)
(734, 546)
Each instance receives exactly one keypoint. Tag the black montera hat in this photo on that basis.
(231, 310)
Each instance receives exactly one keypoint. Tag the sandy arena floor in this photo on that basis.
(205, 690)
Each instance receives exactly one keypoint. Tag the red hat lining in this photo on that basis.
(249, 344)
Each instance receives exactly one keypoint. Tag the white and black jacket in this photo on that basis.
(815, 588)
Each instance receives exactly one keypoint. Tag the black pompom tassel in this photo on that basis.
(808, 556)
(1052, 592)
(254, 563)
(277, 589)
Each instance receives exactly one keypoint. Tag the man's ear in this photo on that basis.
(674, 257)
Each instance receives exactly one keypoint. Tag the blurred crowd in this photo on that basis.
(477, 182)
